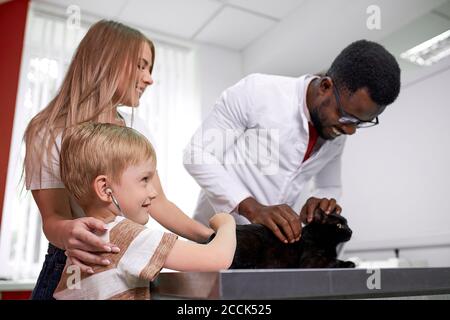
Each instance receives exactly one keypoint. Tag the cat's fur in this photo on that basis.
(258, 248)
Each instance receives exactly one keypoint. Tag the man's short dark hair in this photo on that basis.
(367, 64)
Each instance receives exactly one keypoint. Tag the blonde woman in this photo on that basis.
(112, 66)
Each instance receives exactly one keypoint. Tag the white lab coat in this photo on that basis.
(260, 106)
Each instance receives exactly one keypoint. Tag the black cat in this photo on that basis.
(258, 248)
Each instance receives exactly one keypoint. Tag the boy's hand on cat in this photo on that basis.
(327, 206)
(281, 219)
(220, 219)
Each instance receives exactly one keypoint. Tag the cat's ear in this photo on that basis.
(341, 219)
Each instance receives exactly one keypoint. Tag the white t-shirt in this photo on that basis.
(51, 178)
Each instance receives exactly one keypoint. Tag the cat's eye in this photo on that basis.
(339, 226)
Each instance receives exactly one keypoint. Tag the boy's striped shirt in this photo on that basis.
(141, 257)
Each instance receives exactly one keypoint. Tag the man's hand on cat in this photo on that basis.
(281, 219)
(327, 206)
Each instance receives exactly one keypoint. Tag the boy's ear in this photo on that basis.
(100, 186)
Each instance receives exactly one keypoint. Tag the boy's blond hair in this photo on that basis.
(92, 149)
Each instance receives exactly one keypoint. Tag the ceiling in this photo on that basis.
(425, 27)
(287, 37)
(309, 39)
(232, 24)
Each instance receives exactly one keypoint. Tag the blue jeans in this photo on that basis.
(51, 272)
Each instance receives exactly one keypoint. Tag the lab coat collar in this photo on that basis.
(305, 116)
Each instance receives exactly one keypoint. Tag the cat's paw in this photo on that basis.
(346, 264)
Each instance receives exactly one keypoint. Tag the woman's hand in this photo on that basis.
(82, 245)
(76, 236)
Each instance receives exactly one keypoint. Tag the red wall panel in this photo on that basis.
(13, 16)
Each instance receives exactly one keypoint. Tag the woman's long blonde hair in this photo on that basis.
(108, 53)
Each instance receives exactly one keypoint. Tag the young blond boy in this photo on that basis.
(108, 168)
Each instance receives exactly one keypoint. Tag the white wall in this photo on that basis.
(217, 69)
(396, 177)
(309, 39)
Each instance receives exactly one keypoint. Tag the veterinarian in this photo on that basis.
(268, 136)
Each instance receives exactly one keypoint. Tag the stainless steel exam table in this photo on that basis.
(304, 284)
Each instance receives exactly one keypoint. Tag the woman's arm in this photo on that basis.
(175, 220)
(214, 256)
(75, 236)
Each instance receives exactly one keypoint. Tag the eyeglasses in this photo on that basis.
(349, 119)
